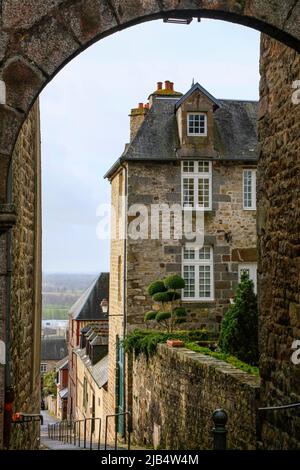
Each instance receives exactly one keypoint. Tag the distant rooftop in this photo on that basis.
(53, 348)
(157, 139)
(88, 305)
(99, 371)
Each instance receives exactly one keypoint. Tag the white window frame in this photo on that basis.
(194, 134)
(197, 263)
(43, 368)
(196, 176)
(252, 268)
(253, 189)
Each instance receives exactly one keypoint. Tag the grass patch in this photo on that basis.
(224, 357)
(55, 313)
(146, 341)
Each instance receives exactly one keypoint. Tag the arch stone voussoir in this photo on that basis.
(89, 19)
(22, 80)
(10, 123)
(38, 37)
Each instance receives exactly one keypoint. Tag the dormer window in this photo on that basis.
(196, 124)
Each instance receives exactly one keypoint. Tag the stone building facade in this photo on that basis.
(39, 38)
(22, 281)
(85, 311)
(200, 154)
(278, 241)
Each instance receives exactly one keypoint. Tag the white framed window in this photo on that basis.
(43, 368)
(251, 270)
(196, 185)
(249, 189)
(198, 273)
(196, 124)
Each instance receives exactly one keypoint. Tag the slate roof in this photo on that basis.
(63, 393)
(53, 348)
(63, 364)
(235, 131)
(88, 306)
(195, 87)
(99, 371)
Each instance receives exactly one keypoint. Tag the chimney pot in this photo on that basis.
(159, 86)
(141, 105)
(171, 86)
(167, 84)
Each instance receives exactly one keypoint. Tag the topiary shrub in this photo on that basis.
(150, 316)
(174, 282)
(166, 294)
(157, 286)
(239, 329)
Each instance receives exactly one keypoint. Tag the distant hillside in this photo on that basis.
(60, 292)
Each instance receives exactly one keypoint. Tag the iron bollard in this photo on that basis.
(220, 419)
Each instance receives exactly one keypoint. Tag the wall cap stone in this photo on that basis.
(209, 361)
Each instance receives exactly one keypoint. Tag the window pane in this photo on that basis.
(203, 192)
(205, 253)
(188, 167)
(196, 124)
(188, 192)
(189, 277)
(203, 167)
(189, 253)
(205, 281)
(247, 188)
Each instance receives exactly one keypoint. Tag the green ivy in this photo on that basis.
(49, 384)
(145, 342)
(141, 341)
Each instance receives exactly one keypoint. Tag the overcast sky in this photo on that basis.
(85, 122)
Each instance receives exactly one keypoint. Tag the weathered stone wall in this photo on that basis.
(3, 300)
(26, 279)
(116, 293)
(176, 392)
(278, 230)
(229, 229)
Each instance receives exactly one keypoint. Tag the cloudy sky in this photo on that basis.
(85, 122)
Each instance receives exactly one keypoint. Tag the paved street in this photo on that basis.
(49, 444)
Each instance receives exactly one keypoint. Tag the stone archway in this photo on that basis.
(37, 38)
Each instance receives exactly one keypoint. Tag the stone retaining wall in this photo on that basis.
(175, 393)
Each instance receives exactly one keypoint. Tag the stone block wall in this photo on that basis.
(194, 385)
(279, 244)
(26, 279)
(229, 229)
(116, 296)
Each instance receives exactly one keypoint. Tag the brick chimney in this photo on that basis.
(137, 117)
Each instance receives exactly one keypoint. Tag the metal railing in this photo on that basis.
(220, 419)
(27, 423)
(129, 429)
(279, 407)
(80, 433)
(71, 432)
